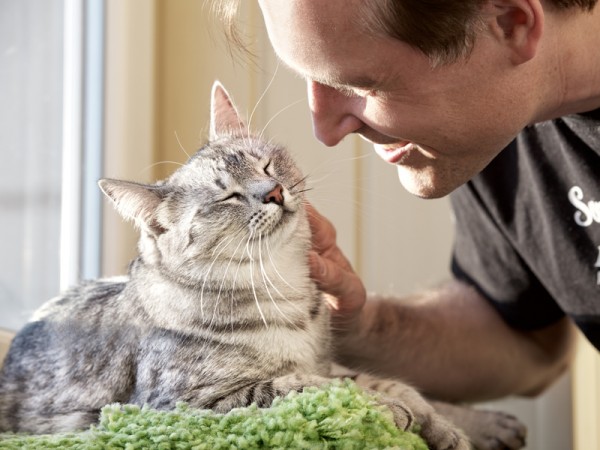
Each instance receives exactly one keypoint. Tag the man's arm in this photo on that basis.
(452, 344)
(449, 342)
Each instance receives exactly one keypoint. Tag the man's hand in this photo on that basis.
(332, 271)
(391, 335)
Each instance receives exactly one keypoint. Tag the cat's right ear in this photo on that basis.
(224, 117)
(134, 201)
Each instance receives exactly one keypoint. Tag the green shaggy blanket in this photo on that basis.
(338, 416)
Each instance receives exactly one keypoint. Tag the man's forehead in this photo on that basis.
(331, 50)
(304, 25)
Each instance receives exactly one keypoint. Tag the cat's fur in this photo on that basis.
(218, 310)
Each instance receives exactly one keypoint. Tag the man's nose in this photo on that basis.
(333, 113)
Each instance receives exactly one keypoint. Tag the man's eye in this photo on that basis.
(347, 91)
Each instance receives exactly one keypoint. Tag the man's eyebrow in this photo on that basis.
(364, 82)
(361, 82)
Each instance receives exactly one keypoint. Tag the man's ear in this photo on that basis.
(519, 24)
(134, 201)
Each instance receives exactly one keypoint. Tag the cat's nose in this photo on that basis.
(275, 195)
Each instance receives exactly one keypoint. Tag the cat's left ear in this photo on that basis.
(134, 201)
(224, 117)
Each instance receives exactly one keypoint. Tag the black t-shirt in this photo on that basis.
(528, 226)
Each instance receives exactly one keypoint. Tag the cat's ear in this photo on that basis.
(134, 201)
(224, 118)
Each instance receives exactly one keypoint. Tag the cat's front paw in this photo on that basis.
(403, 417)
(438, 433)
(441, 434)
(497, 431)
(487, 430)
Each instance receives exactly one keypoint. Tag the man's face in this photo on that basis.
(439, 126)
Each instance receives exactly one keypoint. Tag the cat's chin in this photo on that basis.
(282, 228)
(290, 228)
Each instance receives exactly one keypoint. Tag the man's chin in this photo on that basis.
(424, 185)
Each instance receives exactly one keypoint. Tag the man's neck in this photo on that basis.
(571, 49)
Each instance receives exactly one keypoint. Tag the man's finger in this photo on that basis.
(323, 232)
(338, 282)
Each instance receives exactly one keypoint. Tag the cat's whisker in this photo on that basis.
(283, 297)
(207, 273)
(233, 284)
(181, 145)
(316, 181)
(216, 247)
(261, 97)
(301, 191)
(158, 163)
(262, 316)
(265, 278)
(365, 155)
(285, 108)
(301, 180)
(333, 161)
(269, 252)
(217, 301)
(248, 249)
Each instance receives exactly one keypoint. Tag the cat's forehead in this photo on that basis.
(233, 159)
(233, 156)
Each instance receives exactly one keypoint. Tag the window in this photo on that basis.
(30, 139)
(50, 61)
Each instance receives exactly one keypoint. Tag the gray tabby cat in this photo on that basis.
(218, 309)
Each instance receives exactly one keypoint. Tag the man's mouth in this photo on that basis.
(393, 153)
(388, 148)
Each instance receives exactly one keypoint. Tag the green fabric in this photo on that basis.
(338, 416)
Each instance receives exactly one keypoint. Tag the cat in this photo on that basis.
(218, 310)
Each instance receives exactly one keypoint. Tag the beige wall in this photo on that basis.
(5, 339)
(188, 60)
(130, 115)
(586, 397)
(162, 61)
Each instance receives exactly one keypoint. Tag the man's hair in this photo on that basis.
(444, 30)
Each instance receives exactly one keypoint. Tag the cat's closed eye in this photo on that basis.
(267, 168)
(233, 196)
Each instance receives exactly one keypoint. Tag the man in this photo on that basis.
(496, 103)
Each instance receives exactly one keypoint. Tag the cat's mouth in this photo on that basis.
(271, 219)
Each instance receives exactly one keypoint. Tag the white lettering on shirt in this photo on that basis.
(587, 213)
